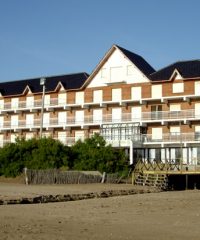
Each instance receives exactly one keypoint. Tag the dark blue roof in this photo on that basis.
(187, 69)
(69, 82)
(139, 61)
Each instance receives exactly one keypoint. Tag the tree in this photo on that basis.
(94, 154)
(44, 153)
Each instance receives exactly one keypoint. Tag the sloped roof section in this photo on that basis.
(69, 82)
(138, 61)
(187, 69)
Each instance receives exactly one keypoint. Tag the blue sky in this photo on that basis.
(53, 37)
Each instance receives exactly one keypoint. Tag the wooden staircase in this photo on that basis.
(154, 180)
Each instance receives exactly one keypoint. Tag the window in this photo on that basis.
(178, 87)
(1, 121)
(79, 117)
(62, 97)
(197, 88)
(14, 121)
(1, 104)
(130, 70)
(116, 94)
(103, 73)
(79, 135)
(62, 137)
(30, 102)
(14, 103)
(176, 155)
(47, 100)
(97, 115)
(136, 93)
(79, 97)
(116, 114)
(175, 130)
(29, 135)
(197, 110)
(197, 133)
(13, 137)
(156, 112)
(97, 96)
(156, 91)
(46, 118)
(136, 113)
(62, 118)
(156, 134)
(29, 120)
(116, 74)
(174, 111)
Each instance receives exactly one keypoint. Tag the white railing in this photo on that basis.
(105, 119)
(116, 140)
(69, 141)
(172, 138)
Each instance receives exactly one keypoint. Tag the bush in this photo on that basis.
(42, 153)
(94, 154)
(47, 153)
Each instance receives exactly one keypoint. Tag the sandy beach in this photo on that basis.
(165, 215)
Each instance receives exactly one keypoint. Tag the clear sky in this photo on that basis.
(54, 37)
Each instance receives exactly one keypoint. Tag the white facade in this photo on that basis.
(116, 69)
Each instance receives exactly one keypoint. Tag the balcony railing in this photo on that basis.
(172, 138)
(61, 103)
(145, 117)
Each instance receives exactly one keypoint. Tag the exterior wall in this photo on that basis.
(155, 113)
(117, 59)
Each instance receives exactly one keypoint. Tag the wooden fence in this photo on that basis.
(55, 176)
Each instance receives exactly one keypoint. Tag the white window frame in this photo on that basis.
(116, 94)
(97, 96)
(136, 93)
(156, 91)
(178, 87)
(130, 70)
(62, 98)
(79, 98)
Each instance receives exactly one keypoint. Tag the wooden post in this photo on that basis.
(186, 181)
(103, 177)
(133, 178)
(26, 176)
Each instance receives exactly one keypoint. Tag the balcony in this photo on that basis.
(171, 138)
(141, 119)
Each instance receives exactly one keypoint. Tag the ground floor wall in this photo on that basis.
(188, 155)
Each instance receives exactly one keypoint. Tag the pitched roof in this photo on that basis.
(187, 69)
(138, 61)
(69, 82)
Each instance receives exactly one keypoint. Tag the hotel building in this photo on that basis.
(154, 115)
